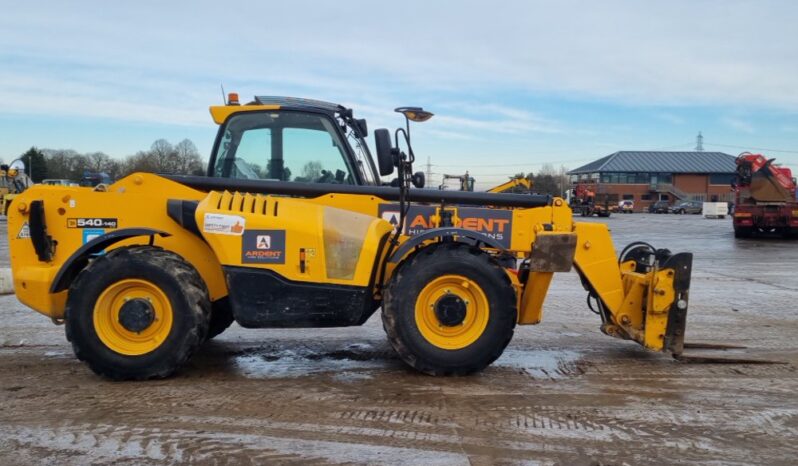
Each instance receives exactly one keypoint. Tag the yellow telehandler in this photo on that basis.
(293, 227)
(13, 180)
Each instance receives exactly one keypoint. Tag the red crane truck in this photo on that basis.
(764, 198)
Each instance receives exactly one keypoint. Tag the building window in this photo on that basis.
(721, 178)
(657, 178)
(628, 197)
(641, 178)
(574, 178)
(645, 197)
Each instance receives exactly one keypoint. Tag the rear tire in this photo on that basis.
(449, 281)
(137, 313)
(743, 232)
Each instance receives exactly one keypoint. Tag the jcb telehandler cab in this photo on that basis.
(293, 227)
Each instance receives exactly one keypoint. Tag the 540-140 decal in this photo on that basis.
(92, 222)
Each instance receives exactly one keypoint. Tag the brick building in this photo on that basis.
(646, 177)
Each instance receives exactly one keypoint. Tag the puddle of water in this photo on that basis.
(349, 376)
(357, 361)
(550, 364)
(298, 363)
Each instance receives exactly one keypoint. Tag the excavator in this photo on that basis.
(516, 185)
(765, 199)
(143, 271)
(465, 182)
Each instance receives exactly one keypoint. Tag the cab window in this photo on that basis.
(286, 146)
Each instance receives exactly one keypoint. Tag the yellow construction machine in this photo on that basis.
(13, 181)
(293, 227)
(465, 182)
(515, 185)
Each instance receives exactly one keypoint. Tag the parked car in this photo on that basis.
(626, 207)
(688, 207)
(659, 207)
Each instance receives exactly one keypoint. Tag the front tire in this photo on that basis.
(137, 313)
(450, 309)
(221, 318)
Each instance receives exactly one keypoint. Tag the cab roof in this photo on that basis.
(220, 113)
(298, 103)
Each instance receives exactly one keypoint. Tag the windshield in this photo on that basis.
(286, 146)
(362, 157)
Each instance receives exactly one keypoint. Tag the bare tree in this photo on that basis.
(311, 171)
(162, 157)
(189, 161)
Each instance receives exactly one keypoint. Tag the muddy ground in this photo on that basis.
(563, 393)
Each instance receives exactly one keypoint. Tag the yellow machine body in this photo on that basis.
(145, 270)
(329, 240)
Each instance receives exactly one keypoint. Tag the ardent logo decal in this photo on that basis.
(493, 223)
(263, 242)
(263, 247)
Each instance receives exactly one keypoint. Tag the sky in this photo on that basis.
(513, 85)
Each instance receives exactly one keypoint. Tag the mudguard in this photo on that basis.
(442, 233)
(78, 260)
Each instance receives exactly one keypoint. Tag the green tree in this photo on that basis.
(35, 164)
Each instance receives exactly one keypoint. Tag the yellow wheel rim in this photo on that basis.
(447, 335)
(122, 340)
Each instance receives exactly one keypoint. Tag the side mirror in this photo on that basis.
(418, 179)
(382, 140)
(361, 127)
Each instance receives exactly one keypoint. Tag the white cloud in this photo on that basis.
(670, 118)
(685, 52)
(738, 124)
(473, 63)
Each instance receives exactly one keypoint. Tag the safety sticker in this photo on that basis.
(263, 247)
(91, 233)
(93, 222)
(224, 224)
(24, 232)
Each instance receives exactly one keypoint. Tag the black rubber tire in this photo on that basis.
(221, 318)
(743, 232)
(179, 281)
(398, 309)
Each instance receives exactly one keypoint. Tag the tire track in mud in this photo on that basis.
(98, 443)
